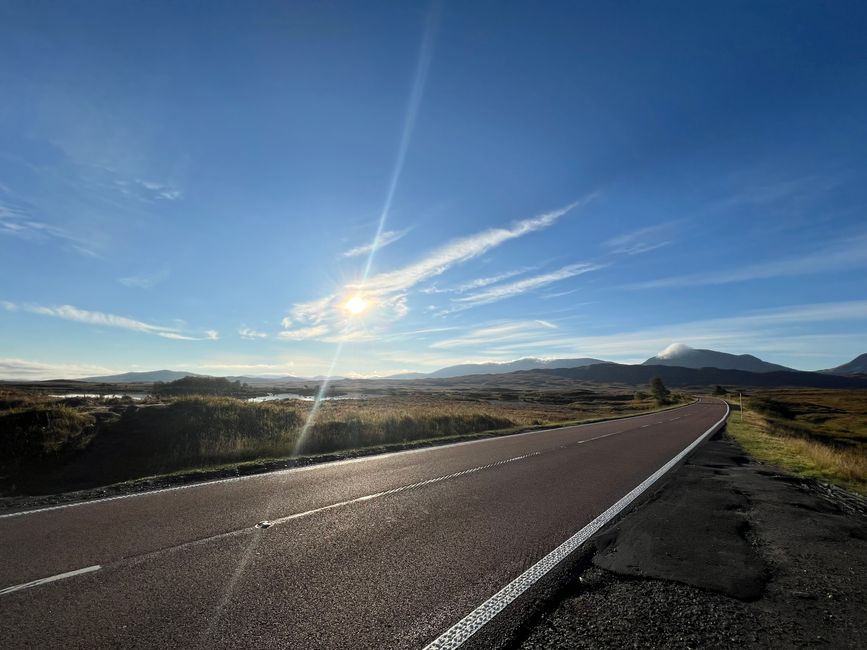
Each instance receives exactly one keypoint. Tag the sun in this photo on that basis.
(356, 305)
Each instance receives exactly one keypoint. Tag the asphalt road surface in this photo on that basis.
(383, 551)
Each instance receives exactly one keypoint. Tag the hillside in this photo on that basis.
(684, 356)
(142, 377)
(529, 363)
(858, 366)
(674, 376)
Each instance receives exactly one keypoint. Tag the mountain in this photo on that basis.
(684, 356)
(674, 376)
(173, 375)
(858, 366)
(494, 368)
(142, 377)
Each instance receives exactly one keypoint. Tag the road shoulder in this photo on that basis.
(727, 553)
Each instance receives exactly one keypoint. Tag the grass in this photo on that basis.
(808, 433)
(99, 442)
(34, 431)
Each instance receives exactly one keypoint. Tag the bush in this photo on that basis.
(41, 431)
(659, 391)
(198, 386)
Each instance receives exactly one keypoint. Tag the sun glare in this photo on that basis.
(356, 305)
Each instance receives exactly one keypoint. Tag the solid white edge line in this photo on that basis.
(314, 466)
(461, 631)
(42, 581)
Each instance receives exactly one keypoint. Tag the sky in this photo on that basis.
(367, 188)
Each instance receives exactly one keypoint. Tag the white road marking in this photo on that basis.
(604, 435)
(43, 581)
(402, 488)
(461, 631)
(315, 466)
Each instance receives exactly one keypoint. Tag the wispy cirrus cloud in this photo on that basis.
(19, 221)
(842, 255)
(504, 291)
(147, 190)
(461, 250)
(145, 280)
(102, 319)
(498, 334)
(386, 238)
(324, 318)
(11, 368)
(305, 333)
(250, 334)
(478, 283)
(643, 240)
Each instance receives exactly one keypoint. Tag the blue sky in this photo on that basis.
(201, 187)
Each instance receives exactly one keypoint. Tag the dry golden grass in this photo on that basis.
(191, 433)
(800, 449)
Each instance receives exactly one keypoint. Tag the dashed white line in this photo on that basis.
(55, 578)
(402, 488)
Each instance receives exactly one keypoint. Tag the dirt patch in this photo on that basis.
(729, 553)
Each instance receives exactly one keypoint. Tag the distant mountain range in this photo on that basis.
(858, 366)
(683, 356)
(529, 363)
(142, 377)
(674, 376)
(678, 365)
(173, 375)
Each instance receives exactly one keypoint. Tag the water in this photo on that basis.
(303, 398)
(134, 396)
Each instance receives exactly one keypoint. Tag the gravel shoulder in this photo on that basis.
(727, 553)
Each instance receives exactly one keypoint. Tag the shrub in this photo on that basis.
(41, 431)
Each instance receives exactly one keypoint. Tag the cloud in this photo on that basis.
(386, 238)
(839, 256)
(460, 250)
(17, 221)
(145, 280)
(305, 333)
(389, 291)
(147, 190)
(478, 283)
(102, 319)
(504, 291)
(643, 240)
(313, 311)
(36, 370)
(557, 294)
(778, 331)
(673, 350)
(251, 334)
(498, 334)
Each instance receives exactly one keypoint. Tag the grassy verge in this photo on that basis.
(194, 438)
(371, 450)
(768, 440)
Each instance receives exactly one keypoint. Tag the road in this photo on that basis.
(383, 551)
